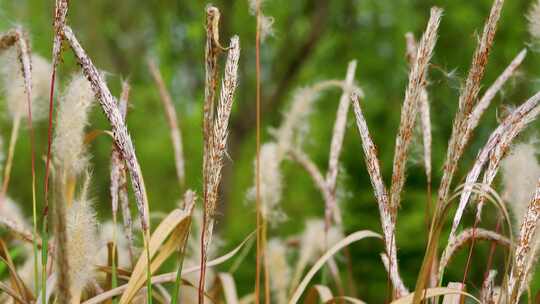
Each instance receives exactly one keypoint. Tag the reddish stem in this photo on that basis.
(49, 142)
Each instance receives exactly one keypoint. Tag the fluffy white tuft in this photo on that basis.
(10, 210)
(267, 27)
(295, 125)
(253, 6)
(520, 173)
(533, 16)
(267, 22)
(312, 243)
(270, 183)
(68, 146)
(14, 85)
(106, 235)
(280, 270)
(82, 244)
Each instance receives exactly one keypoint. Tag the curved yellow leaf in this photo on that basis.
(175, 225)
(357, 236)
(435, 292)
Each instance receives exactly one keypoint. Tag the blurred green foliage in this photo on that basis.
(313, 40)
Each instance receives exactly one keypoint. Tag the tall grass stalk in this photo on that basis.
(338, 134)
(62, 253)
(172, 120)
(60, 14)
(19, 38)
(212, 50)
(25, 59)
(217, 151)
(261, 222)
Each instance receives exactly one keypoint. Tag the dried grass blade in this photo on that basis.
(228, 286)
(454, 298)
(174, 225)
(317, 294)
(171, 276)
(345, 299)
(12, 293)
(435, 292)
(16, 282)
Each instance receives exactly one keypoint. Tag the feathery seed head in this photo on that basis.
(533, 16)
(106, 235)
(280, 270)
(311, 246)
(10, 210)
(295, 120)
(270, 183)
(519, 188)
(82, 243)
(68, 145)
(267, 26)
(266, 22)
(15, 92)
(253, 4)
